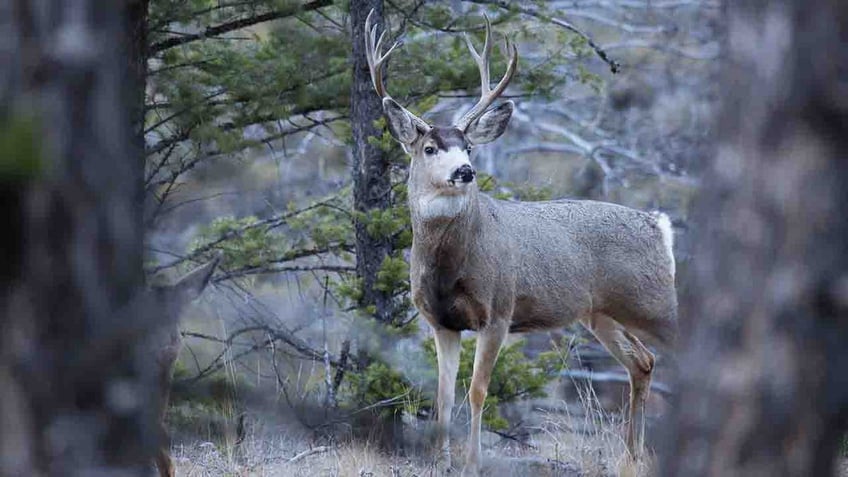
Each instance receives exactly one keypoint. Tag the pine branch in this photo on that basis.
(270, 223)
(217, 30)
(264, 270)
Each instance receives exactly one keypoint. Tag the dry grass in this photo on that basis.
(581, 439)
(591, 438)
(264, 458)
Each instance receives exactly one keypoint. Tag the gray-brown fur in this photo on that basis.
(447, 137)
(543, 265)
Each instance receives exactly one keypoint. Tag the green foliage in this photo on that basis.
(512, 190)
(249, 243)
(514, 377)
(383, 223)
(20, 154)
(393, 275)
(380, 383)
(349, 288)
(531, 193)
(323, 226)
(486, 182)
(250, 248)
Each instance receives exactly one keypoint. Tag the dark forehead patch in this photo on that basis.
(448, 137)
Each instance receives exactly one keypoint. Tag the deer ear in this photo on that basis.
(192, 284)
(401, 125)
(490, 125)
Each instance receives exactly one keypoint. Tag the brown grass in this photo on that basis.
(582, 439)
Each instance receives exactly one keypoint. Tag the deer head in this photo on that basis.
(173, 298)
(441, 155)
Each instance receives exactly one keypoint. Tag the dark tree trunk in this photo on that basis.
(764, 347)
(136, 18)
(371, 167)
(74, 388)
(372, 191)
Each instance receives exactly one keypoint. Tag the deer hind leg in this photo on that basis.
(163, 462)
(489, 341)
(447, 354)
(163, 454)
(639, 362)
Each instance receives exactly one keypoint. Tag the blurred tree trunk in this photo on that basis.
(74, 388)
(137, 49)
(372, 188)
(764, 347)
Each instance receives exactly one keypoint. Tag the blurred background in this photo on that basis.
(238, 150)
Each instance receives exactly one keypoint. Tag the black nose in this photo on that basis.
(464, 174)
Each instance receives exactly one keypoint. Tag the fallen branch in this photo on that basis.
(309, 452)
(611, 377)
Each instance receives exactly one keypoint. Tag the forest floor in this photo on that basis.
(563, 440)
(287, 458)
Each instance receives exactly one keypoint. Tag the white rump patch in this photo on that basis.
(664, 224)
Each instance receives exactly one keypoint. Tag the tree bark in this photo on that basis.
(763, 385)
(372, 191)
(372, 188)
(74, 388)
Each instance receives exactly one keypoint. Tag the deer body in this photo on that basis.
(542, 265)
(495, 266)
(166, 342)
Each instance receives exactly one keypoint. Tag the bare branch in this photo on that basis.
(611, 377)
(264, 270)
(522, 8)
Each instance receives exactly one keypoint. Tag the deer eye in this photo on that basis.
(429, 150)
(468, 148)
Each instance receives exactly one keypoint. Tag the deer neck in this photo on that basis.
(443, 227)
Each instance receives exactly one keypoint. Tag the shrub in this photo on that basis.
(514, 377)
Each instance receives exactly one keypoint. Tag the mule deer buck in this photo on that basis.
(167, 342)
(497, 267)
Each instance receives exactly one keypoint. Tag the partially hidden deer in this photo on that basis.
(167, 342)
(497, 267)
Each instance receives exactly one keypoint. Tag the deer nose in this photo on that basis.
(464, 174)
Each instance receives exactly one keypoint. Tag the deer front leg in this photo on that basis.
(489, 341)
(447, 353)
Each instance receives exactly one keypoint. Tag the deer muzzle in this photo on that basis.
(464, 174)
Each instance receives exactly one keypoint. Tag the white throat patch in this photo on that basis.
(440, 206)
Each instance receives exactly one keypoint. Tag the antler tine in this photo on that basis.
(371, 52)
(487, 95)
(482, 60)
(373, 48)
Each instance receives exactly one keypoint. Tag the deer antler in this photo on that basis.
(487, 95)
(373, 46)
